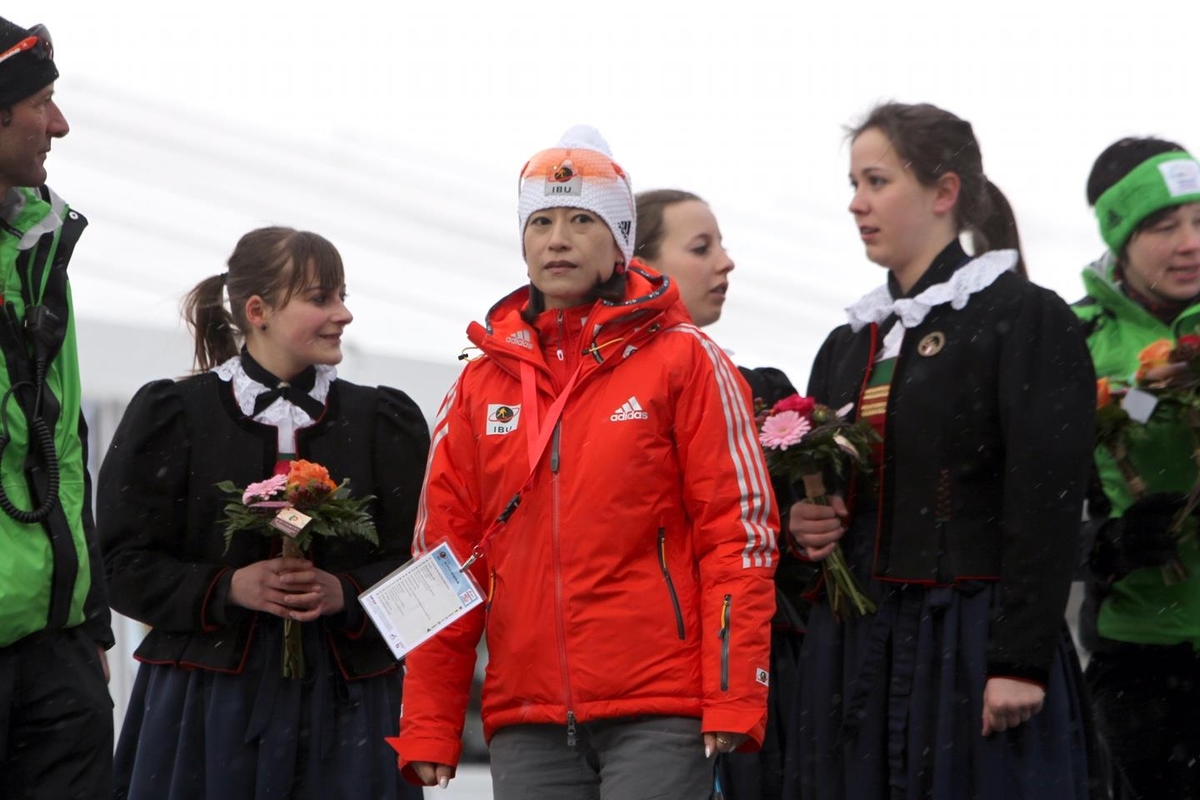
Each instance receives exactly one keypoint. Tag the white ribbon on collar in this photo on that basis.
(878, 305)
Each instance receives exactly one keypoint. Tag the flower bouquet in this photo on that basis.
(296, 506)
(803, 441)
(1114, 427)
(1171, 371)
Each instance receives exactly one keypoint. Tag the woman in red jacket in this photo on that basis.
(630, 594)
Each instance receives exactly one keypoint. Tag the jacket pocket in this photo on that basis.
(726, 623)
(662, 562)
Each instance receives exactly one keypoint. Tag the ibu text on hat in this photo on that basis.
(576, 175)
(579, 172)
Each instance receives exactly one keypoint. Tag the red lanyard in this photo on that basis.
(537, 436)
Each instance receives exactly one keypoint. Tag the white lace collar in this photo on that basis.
(281, 413)
(974, 276)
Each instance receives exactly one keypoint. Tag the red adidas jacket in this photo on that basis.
(635, 577)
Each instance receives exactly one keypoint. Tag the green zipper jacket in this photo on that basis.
(48, 579)
(1141, 608)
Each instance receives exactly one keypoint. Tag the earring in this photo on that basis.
(262, 327)
(619, 268)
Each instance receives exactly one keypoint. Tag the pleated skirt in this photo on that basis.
(891, 704)
(200, 735)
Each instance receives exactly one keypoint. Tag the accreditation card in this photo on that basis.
(421, 598)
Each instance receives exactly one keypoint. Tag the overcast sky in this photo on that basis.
(741, 102)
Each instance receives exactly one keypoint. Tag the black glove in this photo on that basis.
(1141, 537)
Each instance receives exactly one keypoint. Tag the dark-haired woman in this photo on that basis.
(630, 592)
(1144, 672)
(678, 235)
(964, 683)
(211, 718)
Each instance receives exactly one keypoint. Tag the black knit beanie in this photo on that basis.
(25, 73)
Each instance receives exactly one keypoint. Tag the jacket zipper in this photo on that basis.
(562, 334)
(559, 622)
(726, 621)
(662, 562)
(554, 449)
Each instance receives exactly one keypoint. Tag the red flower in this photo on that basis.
(1191, 341)
(801, 405)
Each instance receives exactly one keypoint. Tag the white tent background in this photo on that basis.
(397, 131)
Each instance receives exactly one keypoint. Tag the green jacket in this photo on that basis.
(1140, 607)
(48, 578)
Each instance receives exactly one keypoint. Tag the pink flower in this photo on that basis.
(783, 429)
(801, 405)
(264, 490)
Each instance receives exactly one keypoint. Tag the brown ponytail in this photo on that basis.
(211, 323)
(998, 229)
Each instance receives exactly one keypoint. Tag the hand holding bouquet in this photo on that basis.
(1171, 372)
(803, 442)
(1114, 429)
(296, 506)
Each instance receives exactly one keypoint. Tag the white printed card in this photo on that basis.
(423, 597)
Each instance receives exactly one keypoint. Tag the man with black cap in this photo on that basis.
(55, 712)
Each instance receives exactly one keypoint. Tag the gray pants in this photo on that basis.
(632, 758)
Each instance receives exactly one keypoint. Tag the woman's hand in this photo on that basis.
(433, 774)
(315, 593)
(104, 663)
(290, 588)
(722, 742)
(1008, 702)
(818, 528)
(260, 586)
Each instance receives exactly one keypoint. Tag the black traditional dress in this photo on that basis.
(211, 717)
(965, 542)
(773, 773)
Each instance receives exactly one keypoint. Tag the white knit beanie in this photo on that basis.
(579, 172)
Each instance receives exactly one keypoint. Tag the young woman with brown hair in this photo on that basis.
(965, 682)
(211, 718)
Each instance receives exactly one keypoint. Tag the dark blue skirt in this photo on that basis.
(892, 704)
(199, 735)
(773, 772)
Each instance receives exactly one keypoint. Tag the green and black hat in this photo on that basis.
(1161, 181)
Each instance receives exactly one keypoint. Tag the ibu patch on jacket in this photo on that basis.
(502, 418)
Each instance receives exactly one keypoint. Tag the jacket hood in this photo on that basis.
(1102, 288)
(1101, 285)
(31, 213)
(1102, 270)
(651, 303)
